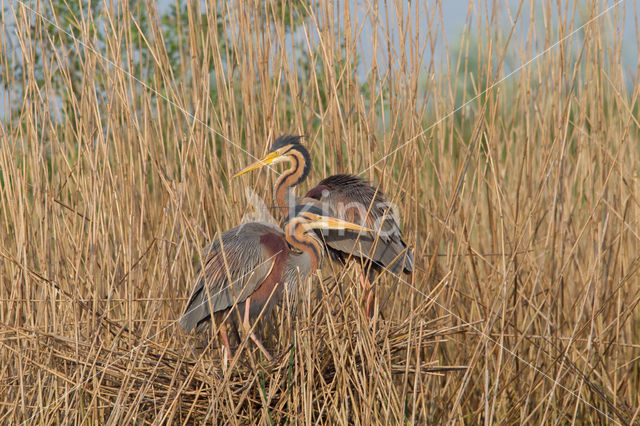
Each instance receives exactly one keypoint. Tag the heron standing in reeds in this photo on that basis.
(349, 198)
(251, 266)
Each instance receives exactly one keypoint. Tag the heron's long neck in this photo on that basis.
(305, 242)
(291, 177)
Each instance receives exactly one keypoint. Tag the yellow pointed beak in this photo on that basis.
(325, 222)
(269, 159)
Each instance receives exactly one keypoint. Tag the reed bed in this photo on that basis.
(512, 154)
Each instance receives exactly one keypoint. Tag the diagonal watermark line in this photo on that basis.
(139, 345)
(139, 81)
(98, 54)
(502, 80)
(485, 335)
(509, 351)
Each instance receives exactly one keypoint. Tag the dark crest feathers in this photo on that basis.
(294, 140)
(285, 140)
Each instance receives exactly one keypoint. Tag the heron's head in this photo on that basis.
(311, 217)
(288, 149)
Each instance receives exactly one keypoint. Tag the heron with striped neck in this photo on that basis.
(251, 267)
(347, 197)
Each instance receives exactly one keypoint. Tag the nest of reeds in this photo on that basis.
(324, 355)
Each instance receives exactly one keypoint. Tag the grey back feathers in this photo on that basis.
(351, 198)
(248, 265)
(233, 271)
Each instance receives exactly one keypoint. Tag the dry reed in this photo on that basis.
(522, 209)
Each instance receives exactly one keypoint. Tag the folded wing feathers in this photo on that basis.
(352, 198)
(247, 266)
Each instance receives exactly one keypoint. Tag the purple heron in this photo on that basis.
(250, 267)
(349, 198)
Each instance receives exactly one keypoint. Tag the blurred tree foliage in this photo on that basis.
(52, 34)
(74, 30)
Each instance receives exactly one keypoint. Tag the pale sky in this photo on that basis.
(453, 19)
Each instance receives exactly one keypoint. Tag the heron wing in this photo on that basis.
(350, 198)
(391, 253)
(230, 272)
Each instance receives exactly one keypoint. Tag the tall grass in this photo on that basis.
(522, 208)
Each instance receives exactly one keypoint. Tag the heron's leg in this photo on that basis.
(247, 327)
(225, 340)
(369, 295)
